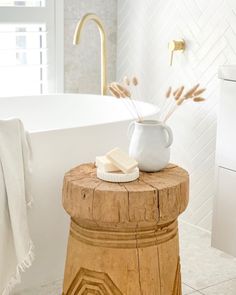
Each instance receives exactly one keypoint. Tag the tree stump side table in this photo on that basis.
(124, 236)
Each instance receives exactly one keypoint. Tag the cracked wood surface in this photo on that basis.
(126, 232)
(160, 196)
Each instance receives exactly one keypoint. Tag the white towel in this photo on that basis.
(16, 247)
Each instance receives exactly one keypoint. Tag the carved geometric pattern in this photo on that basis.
(90, 282)
(209, 28)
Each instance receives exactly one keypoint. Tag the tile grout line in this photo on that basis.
(225, 281)
(195, 226)
(194, 290)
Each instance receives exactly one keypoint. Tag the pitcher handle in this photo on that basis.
(170, 135)
(130, 129)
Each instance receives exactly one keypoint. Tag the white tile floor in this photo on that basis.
(205, 271)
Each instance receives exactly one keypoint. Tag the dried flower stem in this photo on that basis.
(170, 113)
(120, 91)
(136, 109)
(168, 105)
(168, 93)
(117, 94)
(192, 94)
(135, 83)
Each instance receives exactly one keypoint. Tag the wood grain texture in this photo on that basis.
(124, 237)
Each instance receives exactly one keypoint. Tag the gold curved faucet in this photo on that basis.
(93, 17)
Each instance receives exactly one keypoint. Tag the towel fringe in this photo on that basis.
(21, 267)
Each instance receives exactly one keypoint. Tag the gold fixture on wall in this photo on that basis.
(93, 17)
(176, 45)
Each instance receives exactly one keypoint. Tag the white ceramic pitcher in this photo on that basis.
(150, 144)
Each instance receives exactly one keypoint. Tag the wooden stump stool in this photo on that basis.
(124, 236)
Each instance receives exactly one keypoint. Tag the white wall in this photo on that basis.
(82, 63)
(209, 28)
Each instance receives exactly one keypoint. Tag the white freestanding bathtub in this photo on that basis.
(65, 130)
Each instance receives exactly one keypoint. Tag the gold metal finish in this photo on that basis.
(176, 45)
(93, 17)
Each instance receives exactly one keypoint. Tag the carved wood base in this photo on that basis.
(124, 236)
(123, 263)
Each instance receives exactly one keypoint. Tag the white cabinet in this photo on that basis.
(224, 212)
(226, 135)
(224, 219)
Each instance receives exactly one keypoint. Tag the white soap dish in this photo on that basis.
(118, 176)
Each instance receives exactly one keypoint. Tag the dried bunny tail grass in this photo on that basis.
(175, 92)
(194, 93)
(114, 92)
(122, 89)
(180, 101)
(124, 92)
(135, 81)
(121, 93)
(200, 91)
(179, 93)
(199, 99)
(190, 93)
(168, 93)
(126, 80)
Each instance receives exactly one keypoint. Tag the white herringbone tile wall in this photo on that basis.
(209, 27)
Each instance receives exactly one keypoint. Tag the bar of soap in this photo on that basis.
(122, 160)
(104, 164)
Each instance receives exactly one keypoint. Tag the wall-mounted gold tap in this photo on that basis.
(93, 17)
(176, 45)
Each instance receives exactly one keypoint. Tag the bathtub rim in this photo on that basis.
(152, 113)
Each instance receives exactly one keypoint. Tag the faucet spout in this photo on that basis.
(77, 35)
